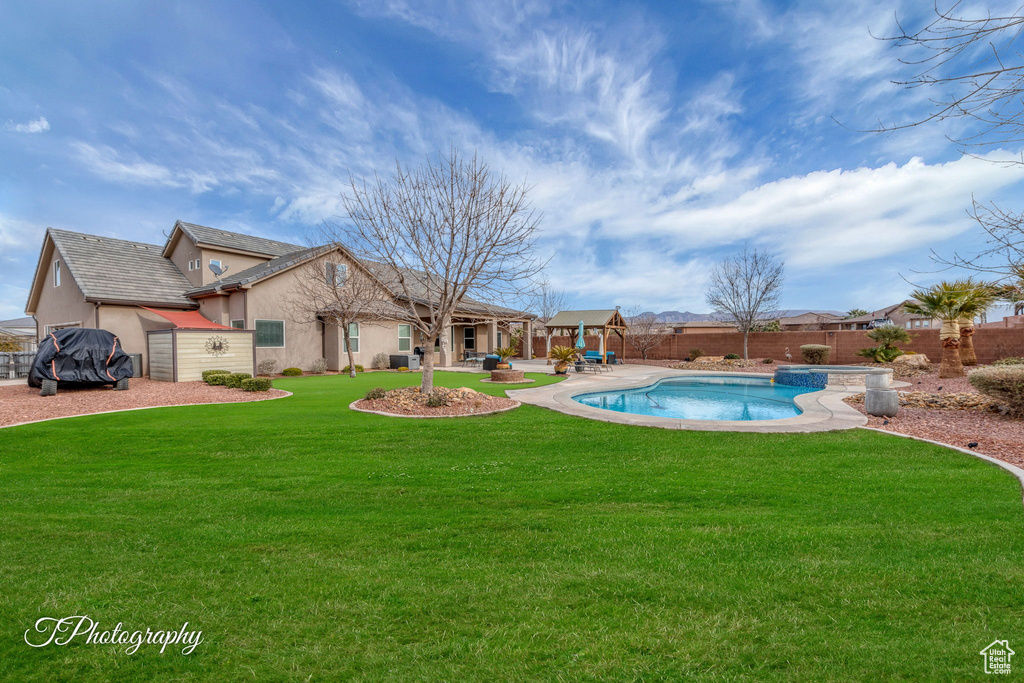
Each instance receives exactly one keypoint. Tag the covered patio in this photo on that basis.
(602, 322)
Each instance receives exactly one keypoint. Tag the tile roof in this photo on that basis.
(18, 322)
(235, 240)
(259, 271)
(108, 269)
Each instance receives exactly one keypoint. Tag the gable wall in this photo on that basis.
(234, 262)
(183, 252)
(64, 304)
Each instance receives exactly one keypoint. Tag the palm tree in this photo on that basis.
(942, 301)
(976, 299)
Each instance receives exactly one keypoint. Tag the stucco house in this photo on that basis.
(134, 288)
(893, 314)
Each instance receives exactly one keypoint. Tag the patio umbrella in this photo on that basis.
(581, 343)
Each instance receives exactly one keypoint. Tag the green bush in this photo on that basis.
(1005, 383)
(695, 354)
(768, 361)
(234, 380)
(257, 384)
(219, 379)
(816, 354)
(291, 372)
(377, 393)
(732, 356)
(209, 373)
(359, 368)
(1009, 361)
(403, 369)
(437, 400)
(881, 354)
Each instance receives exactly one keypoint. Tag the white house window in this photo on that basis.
(56, 273)
(908, 325)
(917, 323)
(405, 337)
(469, 338)
(270, 334)
(353, 335)
(335, 274)
(238, 324)
(198, 265)
(215, 262)
(926, 323)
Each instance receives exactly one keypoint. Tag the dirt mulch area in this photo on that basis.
(408, 401)
(22, 403)
(956, 414)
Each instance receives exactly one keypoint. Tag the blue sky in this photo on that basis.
(659, 137)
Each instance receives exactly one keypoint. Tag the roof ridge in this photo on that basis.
(55, 231)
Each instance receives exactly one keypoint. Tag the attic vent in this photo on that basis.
(140, 246)
(91, 239)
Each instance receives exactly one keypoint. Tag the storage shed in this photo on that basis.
(194, 344)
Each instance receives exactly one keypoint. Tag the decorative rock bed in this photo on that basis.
(411, 402)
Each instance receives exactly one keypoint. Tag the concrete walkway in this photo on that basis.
(822, 410)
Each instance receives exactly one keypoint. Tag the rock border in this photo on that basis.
(128, 410)
(352, 406)
(491, 381)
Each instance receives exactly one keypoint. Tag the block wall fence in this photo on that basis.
(990, 344)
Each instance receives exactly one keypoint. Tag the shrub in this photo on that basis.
(208, 373)
(267, 367)
(291, 372)
(695, 354)
(377, 393)
(319, 366)
(1004, 383)
(381, 361)
(881, 354)
(359, 368)
(257, 384)
(816, 354)
(219, 379)
(732, 356)
(768, 361)
(234, 380)
(1009, 361)
(437, 400)
(403, 369)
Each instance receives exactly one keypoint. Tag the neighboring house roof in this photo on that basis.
(701, 323)
(203, 235)
(595, 318)
(19, 322)
(8, 332)
(810, 317)
(886, 312)
(113, 270)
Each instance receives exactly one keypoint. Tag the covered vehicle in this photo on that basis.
(77, 356)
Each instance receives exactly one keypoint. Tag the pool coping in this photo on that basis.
(823, 410)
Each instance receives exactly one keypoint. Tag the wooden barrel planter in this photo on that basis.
(511, 376)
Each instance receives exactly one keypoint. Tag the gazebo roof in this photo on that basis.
(598, 318)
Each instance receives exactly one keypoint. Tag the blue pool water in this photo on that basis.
(703, 398)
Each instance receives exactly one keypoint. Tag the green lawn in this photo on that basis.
(309, 542)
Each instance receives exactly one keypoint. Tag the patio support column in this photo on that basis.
(492, 335)
(527, 340)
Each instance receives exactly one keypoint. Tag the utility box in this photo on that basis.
(411, 361)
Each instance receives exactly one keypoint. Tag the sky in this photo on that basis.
(658, 137)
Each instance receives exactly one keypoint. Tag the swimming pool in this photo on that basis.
(703, 398)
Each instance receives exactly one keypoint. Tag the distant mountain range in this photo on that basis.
(688, 317)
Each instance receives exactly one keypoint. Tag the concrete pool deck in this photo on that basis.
(822, 410)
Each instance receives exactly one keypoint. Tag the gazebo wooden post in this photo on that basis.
(604, 345)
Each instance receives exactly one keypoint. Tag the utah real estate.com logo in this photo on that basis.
(997, 657)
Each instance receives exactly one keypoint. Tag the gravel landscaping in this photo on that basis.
(22, 403)
(408, 401)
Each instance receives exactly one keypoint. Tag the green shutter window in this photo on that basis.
(405, 337)
(270, 334)
(353, 333)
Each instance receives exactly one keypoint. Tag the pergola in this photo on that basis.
(604, 320)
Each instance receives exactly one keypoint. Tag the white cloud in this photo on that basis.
(39, 125)
(19, 234)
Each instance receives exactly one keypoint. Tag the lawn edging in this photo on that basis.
(128, 410)
(1012, 469)
(352, 406)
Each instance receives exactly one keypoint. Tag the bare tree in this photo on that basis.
(549, 302)
(332, 289)
(443, 237)
(746, 290)
(645, 332)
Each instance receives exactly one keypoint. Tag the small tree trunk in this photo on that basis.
(348, 349)
(746, 333)
(967, 354)
(427, 381)
(951, 366)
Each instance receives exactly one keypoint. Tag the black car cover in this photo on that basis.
(80, 354)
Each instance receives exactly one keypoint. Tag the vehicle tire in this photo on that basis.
(49, 387)
(122, 384)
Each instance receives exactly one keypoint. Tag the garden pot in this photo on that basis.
(502, 366)
(561, 368)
